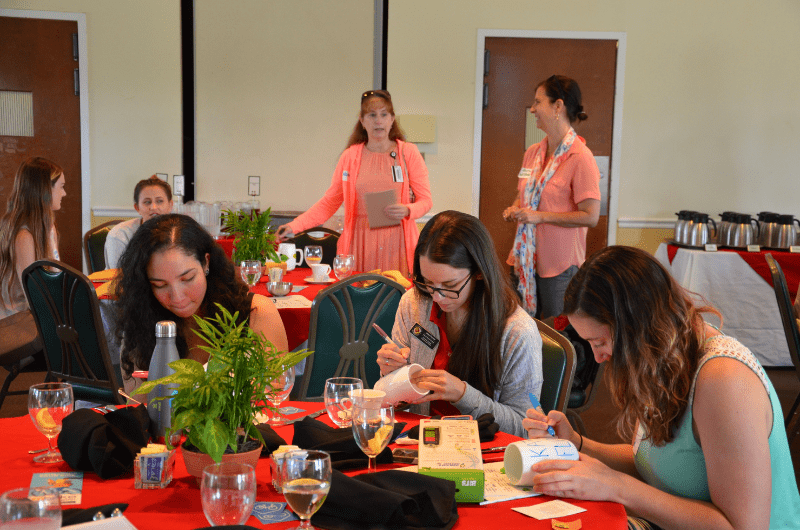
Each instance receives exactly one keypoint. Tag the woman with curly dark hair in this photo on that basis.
(173, 270)
(709, 447)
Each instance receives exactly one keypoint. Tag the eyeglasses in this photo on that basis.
(379, 93)
(444, 293)
(561, 94)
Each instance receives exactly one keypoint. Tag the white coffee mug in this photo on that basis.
(289, 250)
(398, 385)
(520, 456)
(375, 398)
(320, 271)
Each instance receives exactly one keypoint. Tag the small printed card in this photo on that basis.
(550, 510)
(273, 512)
(69, 484)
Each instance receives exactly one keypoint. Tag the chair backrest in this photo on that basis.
(67, 315)
(558, 368)
(328, 242)
(786, 310)
(94, 241)
(341, 333)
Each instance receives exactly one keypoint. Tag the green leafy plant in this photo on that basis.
(216, 408)
(253, 237)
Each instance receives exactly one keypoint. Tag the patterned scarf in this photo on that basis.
(525, 240)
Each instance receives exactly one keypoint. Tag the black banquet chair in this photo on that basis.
(94, 243)
(319, 235)
(67, 314)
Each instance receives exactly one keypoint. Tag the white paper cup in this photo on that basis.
(320, 271)
(374, 398)
(398, 386)
(520, 456)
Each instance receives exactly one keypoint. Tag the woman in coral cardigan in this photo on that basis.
(377, 159)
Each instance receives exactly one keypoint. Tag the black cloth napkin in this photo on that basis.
(104, 443)
(388, 499)
(72, 516)
(272, 440)
(487, 427)
(339, 443)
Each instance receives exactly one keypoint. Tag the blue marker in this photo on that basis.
(535, 403)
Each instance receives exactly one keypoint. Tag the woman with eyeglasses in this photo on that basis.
(377, 159)
(558, 200)
(462, 322)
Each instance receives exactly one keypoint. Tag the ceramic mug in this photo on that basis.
(290, 250)
(398, 386)
(320, 272)
(375, 398)
(520, 456)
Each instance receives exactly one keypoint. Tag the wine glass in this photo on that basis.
(313, 254)
(30, 508)
(48, 405)
(250, 271)
(306, 477)
(228, 493)
(343, 265)
(373, 425)
(281, 387)
(338, 400)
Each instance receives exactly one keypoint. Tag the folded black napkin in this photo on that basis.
(388, 499)
(487, 427)
(104, 443)
(339, 443)
(72, 516)
(272, 440)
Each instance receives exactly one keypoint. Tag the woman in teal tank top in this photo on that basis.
(709, 446)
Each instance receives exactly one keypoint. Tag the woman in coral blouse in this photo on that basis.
(377, 159)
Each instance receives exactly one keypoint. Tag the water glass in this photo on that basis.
(373, 426)
(228, 493)
(250, 271)
(313, 254)
(306, 477)
(30, 508)
(281, 388)
(338, 401)
(48, 405)
(343, 265)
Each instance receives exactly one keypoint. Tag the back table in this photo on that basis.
(178, 506)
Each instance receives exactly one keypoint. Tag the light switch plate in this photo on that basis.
(253, 186)
(163, 176)
(178, 187)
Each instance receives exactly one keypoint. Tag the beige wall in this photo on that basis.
(710, 101)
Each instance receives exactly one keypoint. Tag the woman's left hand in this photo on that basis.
(586, 479)
(443, 385)
(397, 211)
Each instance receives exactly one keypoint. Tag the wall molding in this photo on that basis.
(645, 222)
(114, 211)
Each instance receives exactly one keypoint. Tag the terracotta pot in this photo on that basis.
(196, 461)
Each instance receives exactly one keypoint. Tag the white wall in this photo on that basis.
(711, 103)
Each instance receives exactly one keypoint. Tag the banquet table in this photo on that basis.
(739, 285)
(178, 506)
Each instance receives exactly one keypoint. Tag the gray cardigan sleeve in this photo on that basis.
(521, 374)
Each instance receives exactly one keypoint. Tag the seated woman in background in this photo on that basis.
(482, 352)
(151, 197)
(709, 445)
(28, 229)
(173, 270)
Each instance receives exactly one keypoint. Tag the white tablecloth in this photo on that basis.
(746, 301)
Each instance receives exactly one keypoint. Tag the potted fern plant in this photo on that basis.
(254, 239)
(216, 408)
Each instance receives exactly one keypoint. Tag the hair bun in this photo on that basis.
(582, 116)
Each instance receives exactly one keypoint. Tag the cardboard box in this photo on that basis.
(451, 449)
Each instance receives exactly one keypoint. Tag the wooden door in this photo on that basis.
(38, 60)
(516, 66)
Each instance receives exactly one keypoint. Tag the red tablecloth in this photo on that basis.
(790, 264)
(178, 506)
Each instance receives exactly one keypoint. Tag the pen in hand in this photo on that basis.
(535, 403)
(387, 338)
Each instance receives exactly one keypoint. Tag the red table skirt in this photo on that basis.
(178, 506)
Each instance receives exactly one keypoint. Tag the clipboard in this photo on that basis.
(375, 203)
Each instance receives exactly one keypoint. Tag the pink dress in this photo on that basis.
(378, 248)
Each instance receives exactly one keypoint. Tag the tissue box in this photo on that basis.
(153, 467)
(451, 449)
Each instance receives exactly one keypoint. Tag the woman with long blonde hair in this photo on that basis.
(27, 229)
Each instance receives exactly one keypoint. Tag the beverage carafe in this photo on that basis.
(160, 411)
(786, 232)
(699, 234)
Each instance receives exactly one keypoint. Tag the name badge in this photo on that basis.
(425, 336)
(525, 173)
(345, 176)
(397, 174)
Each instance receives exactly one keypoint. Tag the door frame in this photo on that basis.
(86, 173)
(616, 137)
